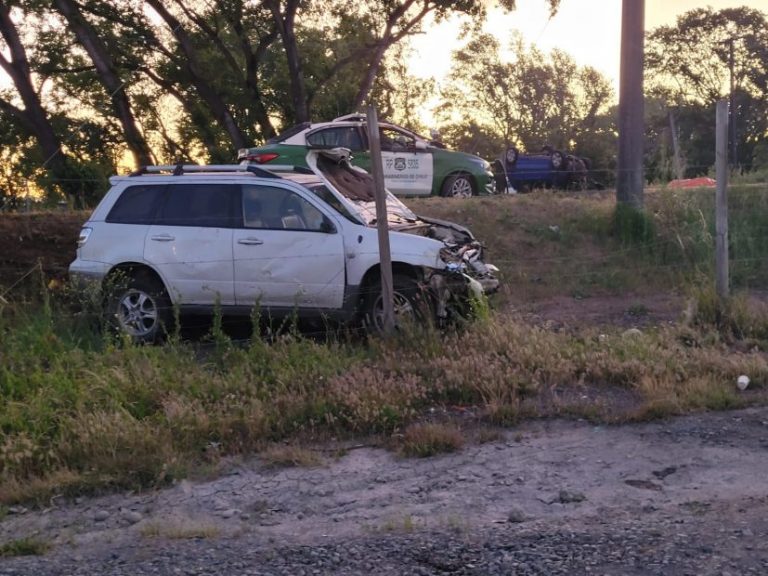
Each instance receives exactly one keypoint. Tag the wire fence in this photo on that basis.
(685, 251)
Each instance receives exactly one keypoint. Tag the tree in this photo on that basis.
(688, 65)
(533, 100)
(31, 116)
(98, 51)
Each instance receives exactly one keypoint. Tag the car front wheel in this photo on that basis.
(410, 304)
(458, 186)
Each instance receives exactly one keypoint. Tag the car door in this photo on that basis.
(408, 166)
(190, 243)
(287, 252)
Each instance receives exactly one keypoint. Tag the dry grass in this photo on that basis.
(80, 412)
(424, 440)
(180, 529)
(290, 456)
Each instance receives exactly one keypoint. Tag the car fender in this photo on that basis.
(362, 252)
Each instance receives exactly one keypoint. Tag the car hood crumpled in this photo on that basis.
(461, 252)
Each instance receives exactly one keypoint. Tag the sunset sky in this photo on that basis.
(588, 30)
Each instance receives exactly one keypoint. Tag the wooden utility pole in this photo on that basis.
(721, 200)
(629, 179)
(382, 222)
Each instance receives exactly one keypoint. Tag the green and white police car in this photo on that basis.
(413, 165)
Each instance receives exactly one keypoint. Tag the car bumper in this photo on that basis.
(487, 183)
(87, 272)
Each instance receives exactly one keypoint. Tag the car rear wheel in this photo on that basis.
(140, 309)
(411, 305)
(458, 186)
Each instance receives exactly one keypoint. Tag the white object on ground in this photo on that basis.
(742, 382)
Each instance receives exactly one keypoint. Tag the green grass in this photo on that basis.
(80, 412)
(23, 547)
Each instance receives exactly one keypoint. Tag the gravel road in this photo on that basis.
(686, 496)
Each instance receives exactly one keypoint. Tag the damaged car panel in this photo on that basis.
(301, 243)
(459, 272)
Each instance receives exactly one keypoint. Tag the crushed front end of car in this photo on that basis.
(457, 278)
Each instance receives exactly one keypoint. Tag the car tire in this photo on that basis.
(558, 160)
(411, 304)
(140, 309)
(458, 186)
(511, 155)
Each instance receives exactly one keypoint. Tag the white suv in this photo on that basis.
(291, 241)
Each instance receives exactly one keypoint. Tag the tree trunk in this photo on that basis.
(33, 117)
(285, 27)
(109, 77)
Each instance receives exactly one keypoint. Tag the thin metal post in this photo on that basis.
(382, 221)
(721, 200)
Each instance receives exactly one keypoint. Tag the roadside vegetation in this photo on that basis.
(83, 411)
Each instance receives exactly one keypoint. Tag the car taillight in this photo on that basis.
(261, 158)
(83, 238)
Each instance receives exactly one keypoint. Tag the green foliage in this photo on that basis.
(688, 69)
(24, 547)
(534, 100)
(631, 226)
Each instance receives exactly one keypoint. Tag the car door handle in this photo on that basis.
(163, 237)
(250, 241)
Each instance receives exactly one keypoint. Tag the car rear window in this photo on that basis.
(206, 205)
(137, 205)
(337, 137)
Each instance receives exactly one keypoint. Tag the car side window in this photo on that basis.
(205, 205)
(337, 137)
(394, 140)
(137, 205)
(268, 207)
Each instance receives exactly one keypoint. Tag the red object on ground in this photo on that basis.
(702, 182)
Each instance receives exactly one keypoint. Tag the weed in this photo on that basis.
(290, 456)
(424, 440)
(185, 529)
(487, 435)
(24, 547)
(405, 525)
(638, 310)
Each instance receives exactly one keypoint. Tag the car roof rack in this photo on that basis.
(181, 169)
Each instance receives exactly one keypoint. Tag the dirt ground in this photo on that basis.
(682, 496)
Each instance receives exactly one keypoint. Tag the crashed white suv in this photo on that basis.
(291, 241)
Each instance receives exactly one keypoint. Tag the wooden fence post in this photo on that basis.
(721, 200)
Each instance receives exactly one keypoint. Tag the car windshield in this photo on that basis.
(322, 192)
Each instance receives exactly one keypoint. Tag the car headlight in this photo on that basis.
(483, 164)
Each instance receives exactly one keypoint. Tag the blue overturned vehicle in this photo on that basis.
(549, 168)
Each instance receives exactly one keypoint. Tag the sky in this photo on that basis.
(588, 30)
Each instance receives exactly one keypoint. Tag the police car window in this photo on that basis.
(338, 137)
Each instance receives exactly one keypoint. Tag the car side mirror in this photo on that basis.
(420, 145)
